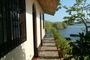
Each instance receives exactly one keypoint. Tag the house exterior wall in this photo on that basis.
(25, 51)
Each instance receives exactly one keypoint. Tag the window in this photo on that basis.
(43, 21)
(12, 25)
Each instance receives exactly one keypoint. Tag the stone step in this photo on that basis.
(48, 50)
(48, 53)
(51, 41)
(49, 59)
(52, 44)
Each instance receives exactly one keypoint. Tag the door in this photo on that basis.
(35, 32)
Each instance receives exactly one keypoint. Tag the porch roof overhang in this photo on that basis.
(49, 6)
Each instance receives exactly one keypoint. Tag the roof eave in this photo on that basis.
(49, 6)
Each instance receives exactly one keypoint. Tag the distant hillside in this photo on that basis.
(58, 25)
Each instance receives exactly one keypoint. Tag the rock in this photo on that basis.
(68, 38)
(73, 44)
(74, 35)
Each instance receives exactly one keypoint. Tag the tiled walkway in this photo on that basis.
(48, 50)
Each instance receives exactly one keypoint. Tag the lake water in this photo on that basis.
(72, 29)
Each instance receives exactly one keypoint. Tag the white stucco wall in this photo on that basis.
(25, 51)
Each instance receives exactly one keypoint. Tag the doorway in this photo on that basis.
(41, 29)
(35, 32)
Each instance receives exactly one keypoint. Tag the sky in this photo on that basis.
(58, 16)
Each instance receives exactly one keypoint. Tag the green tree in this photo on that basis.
(79, 11)
(48, 26)
(59, 25)
(69, 20)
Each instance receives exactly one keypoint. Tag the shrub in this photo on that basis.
(48, 26)
(62, 45)
(83, 50)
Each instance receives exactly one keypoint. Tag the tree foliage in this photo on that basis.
(57, 25)
(48, 25)
(79, 11)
